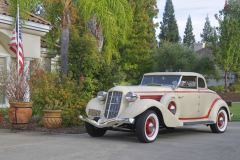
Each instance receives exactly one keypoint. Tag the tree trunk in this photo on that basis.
(64, 50)
(65, 42)
(225, 80)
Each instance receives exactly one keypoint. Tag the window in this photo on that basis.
(188, 82)
(201, 83)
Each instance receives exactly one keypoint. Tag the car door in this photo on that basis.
(188, 97)
(206, 97)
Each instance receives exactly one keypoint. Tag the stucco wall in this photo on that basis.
(31, 43)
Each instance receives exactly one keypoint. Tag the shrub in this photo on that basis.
(3, 115)
(235, 87)
(217, 88)
(49, 92)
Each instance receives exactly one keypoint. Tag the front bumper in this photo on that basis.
(104, 123)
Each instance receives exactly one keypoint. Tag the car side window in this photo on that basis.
(188, 82)
(201, 83)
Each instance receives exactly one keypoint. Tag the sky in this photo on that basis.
(197, 9)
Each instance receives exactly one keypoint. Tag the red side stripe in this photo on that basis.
(154, 97)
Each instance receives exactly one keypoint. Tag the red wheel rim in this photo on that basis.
(150, 126)
(221, 120)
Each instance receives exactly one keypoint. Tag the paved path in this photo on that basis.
(188, 143)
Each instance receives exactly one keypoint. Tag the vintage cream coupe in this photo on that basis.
(167, 99)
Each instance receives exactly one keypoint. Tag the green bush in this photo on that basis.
(217, 88)
(4, 113)
(235, 87)
(48, 91)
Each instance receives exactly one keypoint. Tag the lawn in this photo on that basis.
(235, 109)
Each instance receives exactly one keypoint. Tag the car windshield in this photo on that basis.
(160, 80)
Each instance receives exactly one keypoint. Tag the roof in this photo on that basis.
(175, 73)
(32, 17)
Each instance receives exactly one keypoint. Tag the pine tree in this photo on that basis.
(207, 31)
(189, 38)
(137, 54)
(169, 29)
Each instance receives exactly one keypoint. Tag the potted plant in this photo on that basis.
(52, 114)
(18, 94)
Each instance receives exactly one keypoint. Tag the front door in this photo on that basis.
(188, 97)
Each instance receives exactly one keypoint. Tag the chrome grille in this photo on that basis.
(94, 113)
(113, 104)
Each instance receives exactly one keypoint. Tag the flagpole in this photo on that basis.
(18, 38)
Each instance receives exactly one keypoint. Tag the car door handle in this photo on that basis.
(180, 96)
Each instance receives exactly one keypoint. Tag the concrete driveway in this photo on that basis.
(186, 143)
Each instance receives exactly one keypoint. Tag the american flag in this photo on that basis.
(16, 45)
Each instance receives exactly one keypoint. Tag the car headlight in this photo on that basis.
(102, 95)
(131, 96)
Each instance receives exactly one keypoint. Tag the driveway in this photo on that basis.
(186, 143)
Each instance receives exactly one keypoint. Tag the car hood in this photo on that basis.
(141, 89)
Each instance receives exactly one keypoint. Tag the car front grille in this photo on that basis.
(113, 104)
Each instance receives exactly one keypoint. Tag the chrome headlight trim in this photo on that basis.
(131, 97)
(102, 96)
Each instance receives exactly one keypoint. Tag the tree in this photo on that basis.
(207, 32)
(25, 7)
(228, 51)
(175, 57)
(113, 17)
(169, 29)
(189, 38)
(138, 51)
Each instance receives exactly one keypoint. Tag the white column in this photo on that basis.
(27, 71)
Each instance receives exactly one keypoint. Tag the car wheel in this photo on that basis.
(147, 127)
(222, 121)
(94, 131)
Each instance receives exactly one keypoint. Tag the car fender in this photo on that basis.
(138, 107)
(96, 104)
(171, 97)
(217, 104)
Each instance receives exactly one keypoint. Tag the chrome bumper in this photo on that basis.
(103, 123)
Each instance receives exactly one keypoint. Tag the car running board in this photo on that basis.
(199, 122)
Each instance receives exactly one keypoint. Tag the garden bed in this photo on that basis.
(36, 127)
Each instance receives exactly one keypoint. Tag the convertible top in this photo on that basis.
(176, 73)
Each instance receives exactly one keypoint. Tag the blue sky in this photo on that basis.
(197, 9)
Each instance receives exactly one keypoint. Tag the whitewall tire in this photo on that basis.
(147, 127)
(222, 121)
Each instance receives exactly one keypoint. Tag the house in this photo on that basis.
(33, 29)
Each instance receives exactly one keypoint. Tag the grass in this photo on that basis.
(235, 109)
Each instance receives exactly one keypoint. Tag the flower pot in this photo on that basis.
(20, 112)
(52, 119)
